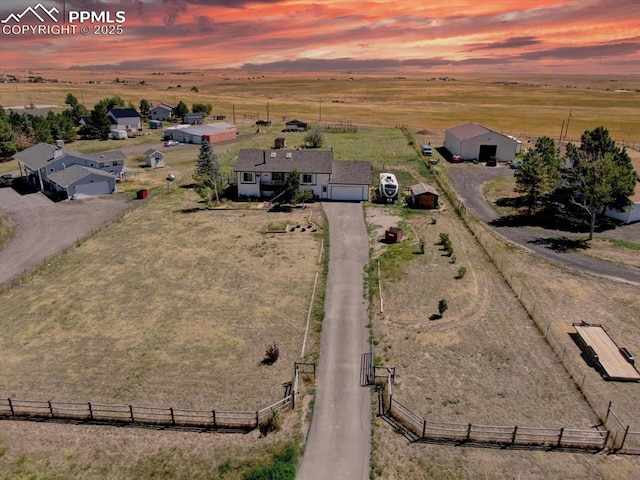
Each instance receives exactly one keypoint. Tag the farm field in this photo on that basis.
(195, 295)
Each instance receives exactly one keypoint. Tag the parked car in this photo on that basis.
(456, 159)
(492, 162)
(6, 180)
(516, 164)
(171, 143)
(263, 123)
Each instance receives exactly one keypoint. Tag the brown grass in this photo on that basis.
(174, 305)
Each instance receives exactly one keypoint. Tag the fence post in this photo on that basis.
(213, 413)
(257, 418)
(50, 408)
(13, 413)
(469, 432)
(424, 428)
(173, 419)
(606, 417)
(560, 436)
(131, 413)
(606, 439)
(90, 410)
(624, 437)
(513, 436)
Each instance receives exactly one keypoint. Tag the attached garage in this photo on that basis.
(78, 181)
(350, 181)
(349, 193)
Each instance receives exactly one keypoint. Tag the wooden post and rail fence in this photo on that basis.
(620, 439)
(168, 417)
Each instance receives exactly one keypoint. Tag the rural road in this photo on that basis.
(44, 228)
(468, 182)
(339, 441)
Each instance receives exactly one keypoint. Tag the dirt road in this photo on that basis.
(44, 228)
(468, 182)
(339, 440)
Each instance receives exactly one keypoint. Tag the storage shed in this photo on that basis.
(153, 158)
(280, 142)
(422, 195)
(471, 141)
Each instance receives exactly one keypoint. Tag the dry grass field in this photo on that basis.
(174, 305)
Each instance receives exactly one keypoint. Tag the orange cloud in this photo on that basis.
(201, 34)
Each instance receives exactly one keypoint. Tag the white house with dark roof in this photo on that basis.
(472, 141)
(263, 173)
(40, 164)
(127, 119)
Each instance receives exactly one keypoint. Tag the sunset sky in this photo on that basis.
(532, 36)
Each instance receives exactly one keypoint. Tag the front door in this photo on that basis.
(324, 192)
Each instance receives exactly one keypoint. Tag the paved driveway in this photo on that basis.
(44, 228)
(468, 182)
(339, 440)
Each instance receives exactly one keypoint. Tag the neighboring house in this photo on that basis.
(194, 118)
(263, 173)
(41, 162)
(161, 112)
(77, 181)
(471, 141)
(153, 158)
(127, 119)
(211, 132)
(631, 213)
(295, 126)
(422, 196)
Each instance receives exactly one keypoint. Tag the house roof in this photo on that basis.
(152, 151)
(305, 161)
(108, 156)
(295, 122)
(351, 173)
(124, 112)
(422, 188)
(74, 174)
(468, 130)
(37, 156)
(199, 130)
(164, 106)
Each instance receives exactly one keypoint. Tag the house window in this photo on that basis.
(277, 177)
(307, 178)
(247, 177)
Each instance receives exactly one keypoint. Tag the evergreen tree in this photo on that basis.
(181, 110)
(207, 174)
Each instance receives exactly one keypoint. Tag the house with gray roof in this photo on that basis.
(263, 174)
(41, 162)
(211, 132)
(162, 111)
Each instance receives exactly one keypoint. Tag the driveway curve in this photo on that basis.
(339, 440)
(44, 228)
(468, 182)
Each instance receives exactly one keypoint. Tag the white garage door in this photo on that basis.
(95, 188)
(347, 192)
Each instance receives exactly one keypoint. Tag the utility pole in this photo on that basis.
(320, 111)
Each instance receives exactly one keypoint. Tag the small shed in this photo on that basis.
(153, 158)
(280, 142)
(423, 196)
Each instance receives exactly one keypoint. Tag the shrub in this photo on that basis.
(462, 271)
(272, 354)
(442, 306)
(453, 258)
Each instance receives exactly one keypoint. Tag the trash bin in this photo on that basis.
(142, 194)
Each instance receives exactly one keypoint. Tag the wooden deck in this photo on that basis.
(612, 362)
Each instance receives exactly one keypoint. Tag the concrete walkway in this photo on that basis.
(339, 440)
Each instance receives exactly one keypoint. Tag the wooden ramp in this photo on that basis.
(613, 362)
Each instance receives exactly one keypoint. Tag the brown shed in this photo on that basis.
(280, 142)
(423, 196)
